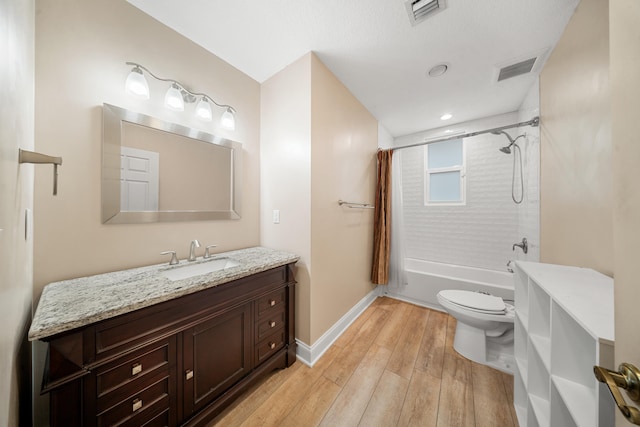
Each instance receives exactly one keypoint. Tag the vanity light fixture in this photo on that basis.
(177, 95)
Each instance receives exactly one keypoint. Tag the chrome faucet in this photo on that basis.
(522, 245)
(192, 250)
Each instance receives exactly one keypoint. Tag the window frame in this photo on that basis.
(456, 168)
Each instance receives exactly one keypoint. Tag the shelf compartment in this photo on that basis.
(579, 401)
(543, 346)
(537, 376)
(521, 293)
(520, 396)
(539, 311)
(561, 416)
(540, 408)
(574, 350)
(520, 340)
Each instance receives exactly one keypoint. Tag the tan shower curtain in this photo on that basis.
(382, 220)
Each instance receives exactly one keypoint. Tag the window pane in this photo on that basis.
(444, 187)
(445, 154)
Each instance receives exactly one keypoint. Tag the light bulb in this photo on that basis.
(136, 84)
(203, 110)
(446, 116)
(173, 99)
(228, 120)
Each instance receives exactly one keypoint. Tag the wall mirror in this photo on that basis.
(155, 171)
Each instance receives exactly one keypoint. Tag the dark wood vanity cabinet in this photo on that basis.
(179, 362)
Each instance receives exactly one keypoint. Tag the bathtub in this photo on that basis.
(426, 278)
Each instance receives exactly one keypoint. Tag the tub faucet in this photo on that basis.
(522, 245)
(192, 250)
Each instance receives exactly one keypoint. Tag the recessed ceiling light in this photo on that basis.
(446, 116)
(438, 70)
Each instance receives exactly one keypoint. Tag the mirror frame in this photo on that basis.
(112, 118)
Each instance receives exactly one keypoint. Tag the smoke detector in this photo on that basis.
(419, 10)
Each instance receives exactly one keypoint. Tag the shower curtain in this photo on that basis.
(382, 220)
(396, 260)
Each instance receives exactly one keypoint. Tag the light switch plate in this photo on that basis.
(276, 216)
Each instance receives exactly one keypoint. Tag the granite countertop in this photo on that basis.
(74, 303)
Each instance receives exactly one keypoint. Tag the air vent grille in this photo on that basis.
(517, 69)
(419, 10)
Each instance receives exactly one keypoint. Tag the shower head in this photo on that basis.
(507, 149)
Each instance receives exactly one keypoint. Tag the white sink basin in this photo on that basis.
(180, 273)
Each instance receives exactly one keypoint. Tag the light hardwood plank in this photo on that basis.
(354, 329)
(385, 405)
(451, 330)
(507, 381)
(420, 407)
(392, 329)
(431, 354)
(350, 357)
(489, 398)
(456, 407)
(313, 407)
(238, 412)
(405, 353)
(352, 401)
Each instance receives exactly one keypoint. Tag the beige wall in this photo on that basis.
(318, 145)
(16, 195)
(285, 181)
(81, 49)
(344, 140)
(576, 197)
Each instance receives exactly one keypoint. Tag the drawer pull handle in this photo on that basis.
(189, 374)
(136, 369)
(272, 345)
(272, 324)
(272, 302)
(137, 404)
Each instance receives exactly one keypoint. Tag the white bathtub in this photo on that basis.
(426, 278)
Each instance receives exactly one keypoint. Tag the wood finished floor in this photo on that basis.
(394, 366)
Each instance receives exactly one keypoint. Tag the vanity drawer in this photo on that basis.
(137, 406)
(268, 346)
(270, 303)
(132, 368)
(270, 322)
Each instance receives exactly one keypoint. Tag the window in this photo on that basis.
(444, 177)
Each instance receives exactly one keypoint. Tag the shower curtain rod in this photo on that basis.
(533, 122)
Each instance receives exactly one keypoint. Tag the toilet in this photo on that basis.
(484, 328)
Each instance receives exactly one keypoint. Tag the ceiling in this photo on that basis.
(372, 47)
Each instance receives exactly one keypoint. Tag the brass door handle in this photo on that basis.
(627, 378)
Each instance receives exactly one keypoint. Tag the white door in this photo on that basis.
(624, 30)
(139, 179)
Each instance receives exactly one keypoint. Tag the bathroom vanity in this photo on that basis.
(137, 348)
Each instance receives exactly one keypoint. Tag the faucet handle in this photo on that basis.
(206, 251)
(174, 258)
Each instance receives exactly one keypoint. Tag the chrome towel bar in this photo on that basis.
(355, 205)
(25, 156)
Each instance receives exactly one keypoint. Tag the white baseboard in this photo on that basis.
(309, 355)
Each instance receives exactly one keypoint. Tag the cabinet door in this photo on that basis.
(217, 353)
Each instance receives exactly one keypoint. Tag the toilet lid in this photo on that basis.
(475, 301)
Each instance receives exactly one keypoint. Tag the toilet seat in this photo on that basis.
(475, 301)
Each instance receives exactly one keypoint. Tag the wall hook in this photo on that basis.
(25, 156)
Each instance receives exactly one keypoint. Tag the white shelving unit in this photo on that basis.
(563, 327)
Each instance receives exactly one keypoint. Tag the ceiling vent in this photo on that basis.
(419, 10)
(517, 69)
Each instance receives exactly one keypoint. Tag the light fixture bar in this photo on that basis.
(191, 97)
